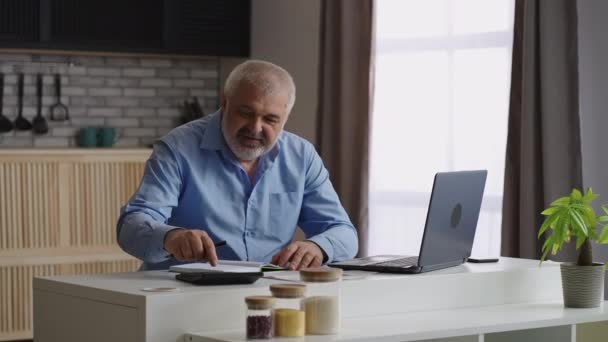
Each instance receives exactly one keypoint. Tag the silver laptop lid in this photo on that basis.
(452, 217)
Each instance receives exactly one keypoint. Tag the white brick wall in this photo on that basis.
(141, 97)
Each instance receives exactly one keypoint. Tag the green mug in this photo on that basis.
(107, 136)
(87, 137)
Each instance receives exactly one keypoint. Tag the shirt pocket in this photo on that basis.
(283, 214)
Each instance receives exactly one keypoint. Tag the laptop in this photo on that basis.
(449, 230)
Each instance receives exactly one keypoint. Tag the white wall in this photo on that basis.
(593, 78)
(287, 33)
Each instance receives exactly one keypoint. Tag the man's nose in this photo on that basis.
(255, 125)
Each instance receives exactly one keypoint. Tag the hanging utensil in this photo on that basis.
(197, 107)
(6, 125)
(59, 111)
(21, 123)
(39, 124)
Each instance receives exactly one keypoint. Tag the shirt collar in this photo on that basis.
(213, 138)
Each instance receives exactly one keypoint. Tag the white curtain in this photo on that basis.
(441, 104)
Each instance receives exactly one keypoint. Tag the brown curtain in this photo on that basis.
(345, 95)
(543, 159)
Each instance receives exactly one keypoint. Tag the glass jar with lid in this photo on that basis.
(288, 316)
(259, 317)
(322, 306)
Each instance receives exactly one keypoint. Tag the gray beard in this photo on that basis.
(243, 152)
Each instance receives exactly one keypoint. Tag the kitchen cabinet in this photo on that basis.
(200, 27)
(19, 21)
(58, 211)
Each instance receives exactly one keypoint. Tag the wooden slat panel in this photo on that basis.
(100, 190)
(4, 231)
(15, 203)
(51, 202)
(27, 205)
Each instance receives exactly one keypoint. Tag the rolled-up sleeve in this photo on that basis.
(142, 223)
(322, 217)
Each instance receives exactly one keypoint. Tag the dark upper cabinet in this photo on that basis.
(204, 27)
(90, 24)
(19, 21)
(208, 27)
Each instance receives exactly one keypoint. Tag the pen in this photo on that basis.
(219, 243)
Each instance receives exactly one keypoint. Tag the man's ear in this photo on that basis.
(223, 103)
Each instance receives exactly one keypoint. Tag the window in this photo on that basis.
(441, 104)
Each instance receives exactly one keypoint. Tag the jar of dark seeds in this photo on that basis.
(259, 317)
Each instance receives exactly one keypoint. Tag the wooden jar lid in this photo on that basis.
(288, 290)
(321, 274)
(260, 302)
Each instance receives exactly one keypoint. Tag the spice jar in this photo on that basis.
(288, 316)
(322, 306)
(259, 316)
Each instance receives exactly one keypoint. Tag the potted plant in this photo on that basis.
(573, 217)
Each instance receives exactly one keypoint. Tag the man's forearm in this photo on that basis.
(143, 237)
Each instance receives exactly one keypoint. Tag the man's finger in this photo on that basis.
(177, 253)
(307, 261)
(317, 261)
(198, 251)
(209, 249)
(275, 258)
(186, 249)
(287, 253)
(296, 258)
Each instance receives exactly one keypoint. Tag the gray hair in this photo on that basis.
(264, 76)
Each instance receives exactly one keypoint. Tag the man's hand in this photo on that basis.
(299, 254)
(190, 245)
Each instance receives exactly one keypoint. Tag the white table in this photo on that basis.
(513, 300)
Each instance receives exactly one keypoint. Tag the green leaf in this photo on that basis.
(603, 218)
(590, 217)
(576, 195)
(586, 212)
(549, 223)
(556, 247)
(558, 228)
(546, 224)
(578, 221)
(580, 238)
(589, 196)
(605, 209)
(549, 211)
(560, 202)
(542, 258)
(543, 227)
(592, 234)
(546, 247)
(603, 236)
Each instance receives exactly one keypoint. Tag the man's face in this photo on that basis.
(252, 121)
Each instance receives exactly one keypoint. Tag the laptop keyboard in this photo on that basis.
(403, 262)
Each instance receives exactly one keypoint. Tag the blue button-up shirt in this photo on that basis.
(193, 180)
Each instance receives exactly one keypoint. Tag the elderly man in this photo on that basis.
(236, 176)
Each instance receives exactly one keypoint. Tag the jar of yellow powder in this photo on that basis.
(288, 317)
(322, 305)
